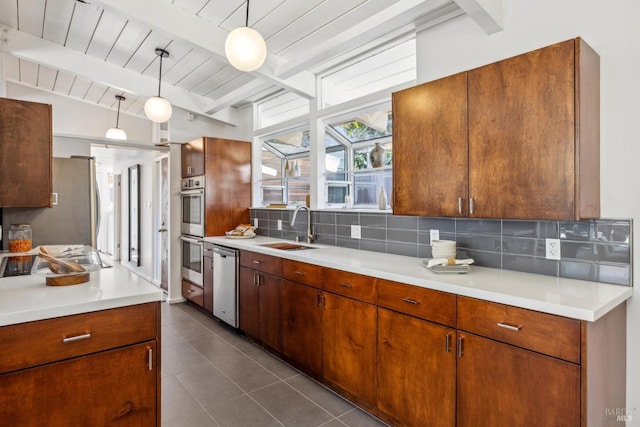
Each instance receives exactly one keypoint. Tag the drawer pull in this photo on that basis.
(150, 359)
(255, 261)
(345, 285)
(510, 327)
(411, 301)
(77, 338)
(299, 273)
(460, 344)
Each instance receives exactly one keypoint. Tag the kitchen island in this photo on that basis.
(86, 354)
(491, 347)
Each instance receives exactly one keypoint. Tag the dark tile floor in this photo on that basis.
(213, 377)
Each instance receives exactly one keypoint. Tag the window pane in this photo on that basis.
(291, 143)
(367, 187)
(366, 127)
(361, 156)
(298, 190)
(271, 165)
(272, 195)
(335, 194)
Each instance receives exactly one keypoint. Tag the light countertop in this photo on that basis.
(27, 298)
(578, 299)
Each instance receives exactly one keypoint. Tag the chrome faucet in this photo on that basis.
(310, 236)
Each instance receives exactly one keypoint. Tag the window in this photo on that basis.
(285, 168)
(349, 169)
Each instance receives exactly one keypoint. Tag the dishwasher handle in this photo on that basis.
(224, 252)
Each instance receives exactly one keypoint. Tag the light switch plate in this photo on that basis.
(433, 235)
(255, 222)
(356, 231)
(279, 224)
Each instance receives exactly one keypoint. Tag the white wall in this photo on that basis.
(612, 29)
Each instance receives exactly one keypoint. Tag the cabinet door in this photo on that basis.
(192, 154)
(499, 384)
(430, 148)
(208, 283)
(522, 137)
(349, 347)
(416, 370)
(249, 302)
(270, 318)
(116, 387)
(25, 154)
(302, 326)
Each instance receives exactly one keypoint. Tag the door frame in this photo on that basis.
(157, 219)
(117, 215)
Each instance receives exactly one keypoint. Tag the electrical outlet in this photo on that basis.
(552, 248)
(255, 222)
(356, 231)
(279, 224)
(433, 235)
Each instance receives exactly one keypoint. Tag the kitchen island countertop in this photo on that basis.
(27, 298)
(578, 299)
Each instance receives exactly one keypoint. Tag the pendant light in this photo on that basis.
(245, 48)
(116, 132)
(157, 108)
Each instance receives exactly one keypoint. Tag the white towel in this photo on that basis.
(445, 261)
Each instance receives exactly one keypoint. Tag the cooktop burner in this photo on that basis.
(18, 265)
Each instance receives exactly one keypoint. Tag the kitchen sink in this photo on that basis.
(287, 246)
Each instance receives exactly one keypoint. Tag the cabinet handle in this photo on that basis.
(447, 343)
(508, 326)
(460, 345)
(299, 273)
(411, 301)
(211, 264)
(471, 205)
(150, 359)
(460, 205)
(77, 338)
(189, 291)
(256, 279)
(318, 301)
(345, 285)
(322, 301)
(255, 261)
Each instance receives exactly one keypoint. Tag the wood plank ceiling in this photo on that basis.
(96, 49)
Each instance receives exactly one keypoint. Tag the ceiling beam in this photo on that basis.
(236, 96)
(40, 51)
(197, 31)
(488, 14)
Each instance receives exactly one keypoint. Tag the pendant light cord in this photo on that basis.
(160, 76)
(247, 23)
(118, 115)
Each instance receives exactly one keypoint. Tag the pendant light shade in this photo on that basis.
(116, 132)
(245, 48)
(157, 108)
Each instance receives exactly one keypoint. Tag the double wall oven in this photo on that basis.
(192, 228)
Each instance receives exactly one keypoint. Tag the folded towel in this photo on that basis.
(445, 261)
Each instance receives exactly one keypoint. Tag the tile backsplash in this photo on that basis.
(597, 250)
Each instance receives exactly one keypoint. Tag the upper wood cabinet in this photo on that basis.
(529, 148)
(25, 154)
(192, 154)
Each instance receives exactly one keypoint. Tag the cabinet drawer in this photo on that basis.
(265, 263)
(44, 341)
(436, 306)
(351, 285)
(303, 272)
(545, 333)
(193, 293)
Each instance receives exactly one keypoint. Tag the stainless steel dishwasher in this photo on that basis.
(225, 284)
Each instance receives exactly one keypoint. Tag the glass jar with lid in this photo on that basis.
(20, 238)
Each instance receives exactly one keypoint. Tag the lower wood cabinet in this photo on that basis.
(302, 326)
(260, 296)
(349, 347)
(500, 384)
(193, 293)
(93, 369)
(416, 371)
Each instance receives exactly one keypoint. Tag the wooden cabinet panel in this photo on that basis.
(545, 333)
(193, 293)
(107, 329)
(192, 158)
(439, 307)
(416, 370)
(116, 387)
(502, 385)
(260, 262)
(228, 184)
(270, 317)
(430, 169)
(302, 272)
(352, 285)
(25, 154)
(249, 296)
(207, 277)
(349, 347)
(302, 326)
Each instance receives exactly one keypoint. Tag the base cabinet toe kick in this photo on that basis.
(408, 354)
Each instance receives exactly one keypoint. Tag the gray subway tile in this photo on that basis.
(325, 217)
(523, 246)
(347, 242)
(373, 220)
(539, 229)
(261, 214)
(481, 243)
(325, 229)
(326, 239)
(275, 214)
(614, 274)
(444, 225)
(374, 233)
(347, 218)
(343, 231)
(402, 222)
(275, 233)
(484, 259)
(373, 245)
(577, 231)
(424, 251)
(610, 230)
(402, 249)
(402, 236)
(479, 226)
(527, 264)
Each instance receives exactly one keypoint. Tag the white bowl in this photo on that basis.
(443, 248)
